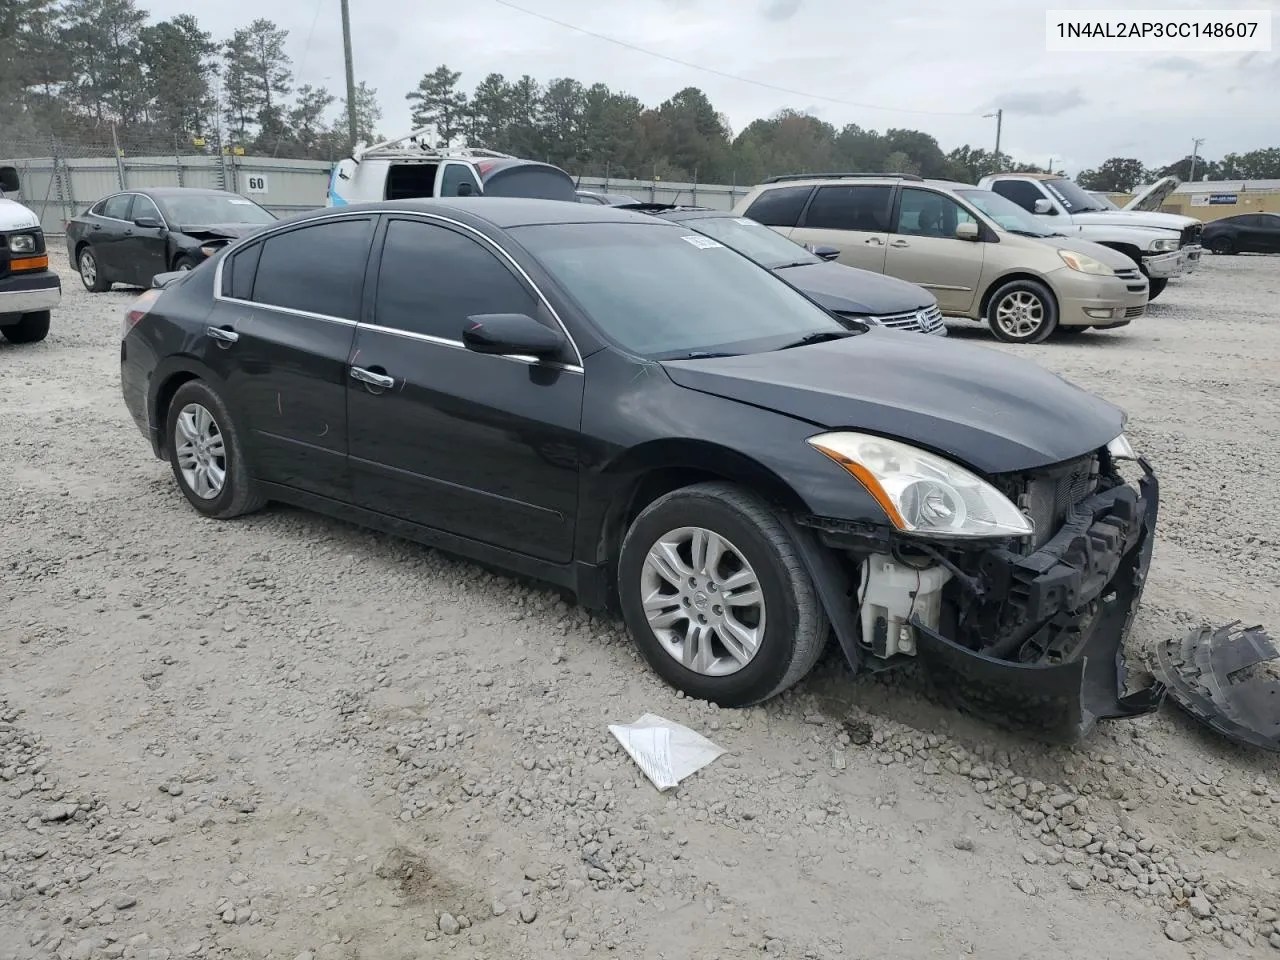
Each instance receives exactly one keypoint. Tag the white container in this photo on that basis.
(893, 594)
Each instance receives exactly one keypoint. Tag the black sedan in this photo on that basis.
(605, 199)
(1244, 233)
(848, 292)
(131, 237)
(711, 453)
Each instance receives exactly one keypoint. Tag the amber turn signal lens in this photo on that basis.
(30, 263)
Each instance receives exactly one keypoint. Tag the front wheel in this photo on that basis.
(207, 455)
(1022, 311)
(1155, 286)
(32, 328)
(185, 263)
(1222, 245)
(715, 595)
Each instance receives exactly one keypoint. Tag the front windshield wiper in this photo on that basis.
(820, 337)
(701, 355)
(798, 263)
(1038, 236)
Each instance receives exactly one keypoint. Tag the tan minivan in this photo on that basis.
(982, 256)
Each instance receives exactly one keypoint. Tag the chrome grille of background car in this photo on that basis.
(1046, 495)
(914, 321)
(1191, 234)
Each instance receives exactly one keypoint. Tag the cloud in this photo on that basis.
(780, 10)
(1183, 65)
(1047, 104)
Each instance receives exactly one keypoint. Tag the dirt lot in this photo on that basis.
(285, 737)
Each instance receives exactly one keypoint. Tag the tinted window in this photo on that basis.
(432, 278)
(1021, 192)
(923, 213)
(319, 269)
(664, 292)
(779, 207)
(239, 271)
(143, 207)
(850, 208)
(117, 206)
(457, 175)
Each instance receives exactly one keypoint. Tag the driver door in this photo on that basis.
(924, 249)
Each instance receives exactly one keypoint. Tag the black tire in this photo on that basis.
(1156, 287)
(99, 283)
(1222, 245)
(795, 624)
(32, 328)
(238, 494)
(1031, 291)
(185, 262)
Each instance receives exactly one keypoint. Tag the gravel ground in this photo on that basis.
(286, 737)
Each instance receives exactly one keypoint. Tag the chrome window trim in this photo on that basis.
(459, 345)
(413, 214)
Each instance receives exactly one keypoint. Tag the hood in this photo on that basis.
(1133, 218)
(1150, 199)
(850, 290)
(221, 231)
(1112, 258)
(14, 216)
(983, 408)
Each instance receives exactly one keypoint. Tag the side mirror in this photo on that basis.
(148, 223)
(1044, 208)
(824, 253)
(511, 334)
(967, 231)
(9, 182)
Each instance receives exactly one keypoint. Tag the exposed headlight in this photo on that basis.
(923, 493)
(209, 251)
(1121, 449)
(1164, 246)
(1083, 263)
(23, 243)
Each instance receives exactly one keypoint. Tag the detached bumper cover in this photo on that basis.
(1078, 595)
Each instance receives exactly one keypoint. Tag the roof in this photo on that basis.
(179, 191)
(501, 212)
(1029, 176)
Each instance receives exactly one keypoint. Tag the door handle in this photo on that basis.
(224, 335)
(875, 240)
(899, 243)
(373, 379)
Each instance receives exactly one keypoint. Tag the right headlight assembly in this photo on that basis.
(923, 494)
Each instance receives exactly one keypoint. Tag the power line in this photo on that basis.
(727, 76)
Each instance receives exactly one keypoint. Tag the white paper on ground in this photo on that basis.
(667, 752)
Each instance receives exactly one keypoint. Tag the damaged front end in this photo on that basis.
(1028, 633)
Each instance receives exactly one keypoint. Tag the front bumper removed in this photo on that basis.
(1079, 594)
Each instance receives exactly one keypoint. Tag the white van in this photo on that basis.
(29, 290)
(419, 165)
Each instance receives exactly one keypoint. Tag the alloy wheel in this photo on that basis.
(88, 268)
(703, 601)
(202, 455)
(1020, 314)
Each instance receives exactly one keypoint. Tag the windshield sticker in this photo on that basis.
(702, 243)
(745, 221)
(242, 203)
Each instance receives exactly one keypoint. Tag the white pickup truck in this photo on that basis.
(1163, 245)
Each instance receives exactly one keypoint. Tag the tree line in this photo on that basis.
(101, 73)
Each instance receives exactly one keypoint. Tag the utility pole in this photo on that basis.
(999, 115)
(352, 126)
(1195, 150)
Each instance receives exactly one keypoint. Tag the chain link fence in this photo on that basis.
(61, 178)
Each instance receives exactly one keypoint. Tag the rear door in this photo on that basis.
(280, 336)
(107, 236)
(143, 249)
(483, 447)
(853, 218)
(924, 248)
(779, 208)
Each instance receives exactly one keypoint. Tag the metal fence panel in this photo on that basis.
(59, 188)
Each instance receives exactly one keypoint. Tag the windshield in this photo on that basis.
(766, 247)
(1005, 212)
(664, 292)
(1106, 201)
(1071, 195)
(210, 208)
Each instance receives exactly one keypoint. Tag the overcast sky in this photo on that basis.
(933, 65)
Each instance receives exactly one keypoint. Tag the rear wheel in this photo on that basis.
(32, 328)
(715, 595)
(1022, 311)
(91, 274)
(207, 455)
(1222, 245)
(184, 263)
